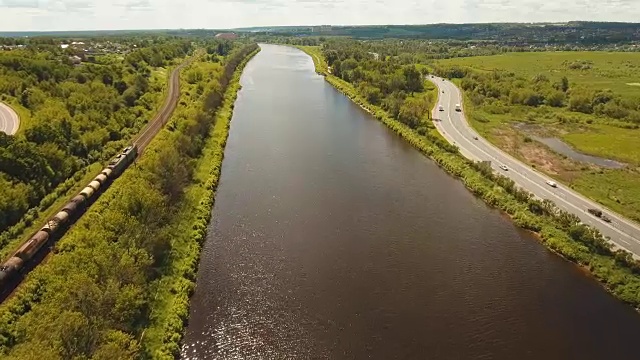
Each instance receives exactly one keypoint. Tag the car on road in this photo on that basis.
(440, 108)
(551, 183)
(595, 212)
(475, 138)
(443, 91)
(458, 108)
(605, 218)
(504, 167)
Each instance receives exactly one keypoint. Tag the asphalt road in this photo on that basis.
(453, 125)
(9, 120)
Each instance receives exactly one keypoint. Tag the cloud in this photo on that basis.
(25, 15)
(24, 4)
(135, 5)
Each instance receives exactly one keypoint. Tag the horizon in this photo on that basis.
(141, 15)
(246, 28)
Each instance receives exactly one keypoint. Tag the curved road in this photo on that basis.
(9, 121)
(454, 127)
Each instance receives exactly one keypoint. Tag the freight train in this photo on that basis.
(54, 226)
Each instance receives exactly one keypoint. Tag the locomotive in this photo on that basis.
(54, 226)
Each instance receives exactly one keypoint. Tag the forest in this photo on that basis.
(579, 33)
(117, 286)
(72, 115)
(561, 232)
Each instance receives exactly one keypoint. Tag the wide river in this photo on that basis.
(332, 238)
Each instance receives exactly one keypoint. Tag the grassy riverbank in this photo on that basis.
(559, 231)
(118, 284)
(589, 100)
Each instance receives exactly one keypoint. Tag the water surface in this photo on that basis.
(332, 238)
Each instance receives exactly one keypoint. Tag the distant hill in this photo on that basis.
(576, 31)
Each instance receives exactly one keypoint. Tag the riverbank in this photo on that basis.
(559, 231)
(173, 293)
(119, 282)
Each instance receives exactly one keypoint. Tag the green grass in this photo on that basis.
(608, 141)
(618, 190)
(610, 70)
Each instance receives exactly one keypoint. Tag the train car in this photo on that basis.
(102, 178)
(31, 247)
(88, 192)
(130, 152)
(62, 217)
(9, 269)
(106, 172)
(72, 205)
(51, 225)
(95, 184)
(118, 164)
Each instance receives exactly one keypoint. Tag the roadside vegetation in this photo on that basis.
(560, 231)
(74, 116)
(586, 99)
(118, 283)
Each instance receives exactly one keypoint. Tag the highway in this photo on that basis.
(9, 120)
(453, 125)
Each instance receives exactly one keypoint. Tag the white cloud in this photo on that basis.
(20, 15)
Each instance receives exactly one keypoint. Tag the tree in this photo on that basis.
(555, 98)
(564, 84)
(413, 111)
(413, 79)
(580, 103)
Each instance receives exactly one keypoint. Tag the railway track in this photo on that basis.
(37, 248)
(162, 117)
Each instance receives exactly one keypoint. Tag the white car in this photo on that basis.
(440, 108)
(504, 167)
(552, 183)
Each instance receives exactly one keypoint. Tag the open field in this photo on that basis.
(502, 121)
(617, 71)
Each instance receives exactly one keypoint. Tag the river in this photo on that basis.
(332, 238)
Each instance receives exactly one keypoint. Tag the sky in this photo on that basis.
(51, 15)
